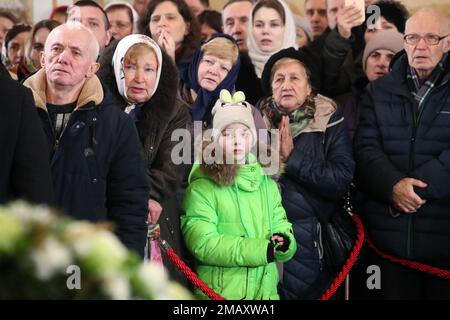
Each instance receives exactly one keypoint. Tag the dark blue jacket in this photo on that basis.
(97, 168)
(394, 141)
(322, 163)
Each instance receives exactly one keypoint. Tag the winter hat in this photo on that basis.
(121, 50)
(135, 15)
(303, 23)
(304, 55)
(383, 39)
(232, 109)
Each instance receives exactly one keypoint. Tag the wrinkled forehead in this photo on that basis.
(75, 37)
(427, 23)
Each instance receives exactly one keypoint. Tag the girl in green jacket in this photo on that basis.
(234, 223)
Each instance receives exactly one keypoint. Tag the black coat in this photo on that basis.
(339, 60)
(97, 168)
(160, 117)
(321, 163)
(247, 80)
(394, 140)
(24, 165)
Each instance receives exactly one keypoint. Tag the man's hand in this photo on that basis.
(286, 142)
(405, 199)
(154, 211)
(348, 18)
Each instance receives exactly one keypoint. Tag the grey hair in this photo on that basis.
(74, 25)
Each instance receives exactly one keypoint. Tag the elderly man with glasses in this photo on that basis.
(402, 150)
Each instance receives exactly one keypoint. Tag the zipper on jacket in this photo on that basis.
(417, 114)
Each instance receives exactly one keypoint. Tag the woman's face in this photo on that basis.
(37, 46)
(212, 71)
(302, 38)
(140, 76)
(121, 25)
(290, 86)
(268, 30)
(167, 17)
(235, 142)
(16, 50)
(207, 32)
(377, 63)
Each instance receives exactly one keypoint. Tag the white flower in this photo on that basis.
(153, 277)
(10, 231)
(177, 292)
(50, 257)
(31, 214)
(117, 287)
(101, 251)
(79, 229)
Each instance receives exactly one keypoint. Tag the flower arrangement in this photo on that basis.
(47, 256)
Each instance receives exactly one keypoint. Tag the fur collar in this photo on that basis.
(325, 108)
(160, 108)
(226, 174)
(92, 90)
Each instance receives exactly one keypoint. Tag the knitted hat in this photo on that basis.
(232, 109)
(303, 23)
(383, 39)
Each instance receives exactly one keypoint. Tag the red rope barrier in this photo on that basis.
(190, 275)
(410, 263)
(350, 261)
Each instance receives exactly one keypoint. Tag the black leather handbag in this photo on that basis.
(336, 235)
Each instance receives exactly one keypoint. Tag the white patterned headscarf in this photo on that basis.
(121, 50)
(258, 57)
(133, 12)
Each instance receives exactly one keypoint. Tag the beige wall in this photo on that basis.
(412, 5)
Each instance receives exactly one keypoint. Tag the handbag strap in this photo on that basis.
(309, 200)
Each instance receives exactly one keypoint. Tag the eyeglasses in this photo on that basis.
(430, 38)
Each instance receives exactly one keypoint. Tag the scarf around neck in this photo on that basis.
(201, 108)
(258, 57)
(299, 119)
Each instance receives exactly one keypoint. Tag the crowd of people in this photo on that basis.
(342, 102)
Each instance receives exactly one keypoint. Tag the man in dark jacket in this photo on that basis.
(24, 169)
(335, 47)
(98, 171)
(403, 160)
(235, 17)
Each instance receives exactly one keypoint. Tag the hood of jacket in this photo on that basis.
(92, 90)
(323, 115)
(247, 176)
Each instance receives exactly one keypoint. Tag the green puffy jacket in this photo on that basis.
(230, 214)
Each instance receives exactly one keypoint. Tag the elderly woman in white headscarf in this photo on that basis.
(271, 28)
(122, 18)
(144, 80)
